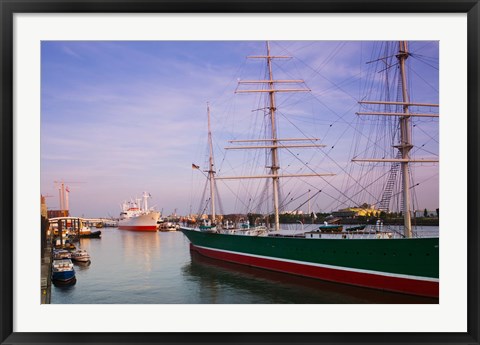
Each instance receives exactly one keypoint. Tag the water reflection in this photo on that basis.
(80, 265)
(64, 285)
(142, 247)
(223, 282)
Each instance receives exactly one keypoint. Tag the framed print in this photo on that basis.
(239, 172)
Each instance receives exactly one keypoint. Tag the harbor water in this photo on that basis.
(129, 267)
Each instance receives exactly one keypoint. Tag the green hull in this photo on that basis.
(403, 260)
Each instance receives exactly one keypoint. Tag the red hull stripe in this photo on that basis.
(138, 227)
(371, 280)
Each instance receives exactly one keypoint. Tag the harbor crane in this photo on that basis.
(63, 191)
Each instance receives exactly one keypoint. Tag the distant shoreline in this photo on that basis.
(321, 218)
(393, 221)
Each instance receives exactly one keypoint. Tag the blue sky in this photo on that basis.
(119, 118)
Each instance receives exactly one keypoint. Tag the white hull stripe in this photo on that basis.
(340, 268)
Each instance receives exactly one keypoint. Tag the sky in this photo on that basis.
(119, 118)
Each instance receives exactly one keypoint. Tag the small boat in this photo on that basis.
(356, 228)
(90, 234)
(331, 227)
(69, 245)
(208, 226)
(59, 254)
(62, 270)
(80, 256)
(168, 226)
(84, 230)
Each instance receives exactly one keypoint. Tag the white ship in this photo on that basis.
(138, 218)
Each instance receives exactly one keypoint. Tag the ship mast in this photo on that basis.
(211, 172)
(145, 202)
(405, 140)
(275, 142)
(405, 144)
(274, 168)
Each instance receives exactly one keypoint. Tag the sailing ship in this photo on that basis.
(376, 258)
(138, 218)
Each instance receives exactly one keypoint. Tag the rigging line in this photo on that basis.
(318, 73)
(199, 211)
(265, 196)
(426, 179)
(344, 83)
(206, 205)
(261, 190)
(348, 123)
(412, 187)
(308, 200)
(426, 82)
(420, 148)
(326, 155)
(373, 182)
(304, 46)
(235, 194)
(393, 195)
(378, 199)
(383, 59)
(219, 199)
(325, 180)
(300, 97)
(293, 199)
(414, 204)
(332, 53)
(423, 46)
(388, 67)
(370, 71)
(244, 185)
(318, 150)
(368, 138)
(338, 139)
(362, 190)
(426, 63)
(240, 68)
(330, 109)
(284, 202)
(425, 57)
(433, 62)
(323, 191)
(426, 133)
(193, 195)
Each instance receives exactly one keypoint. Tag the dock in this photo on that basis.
(46, 273)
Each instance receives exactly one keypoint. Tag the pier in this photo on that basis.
(46, 265)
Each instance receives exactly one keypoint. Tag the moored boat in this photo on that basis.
(80, 255)
(375, 258)
(62, 270)
(356, 228)
(59, 254)
(331, 227)
(86, 232)
(142, 222)
(168, 226)
(136, 218)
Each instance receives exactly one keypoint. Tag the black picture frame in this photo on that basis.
(9, 7)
